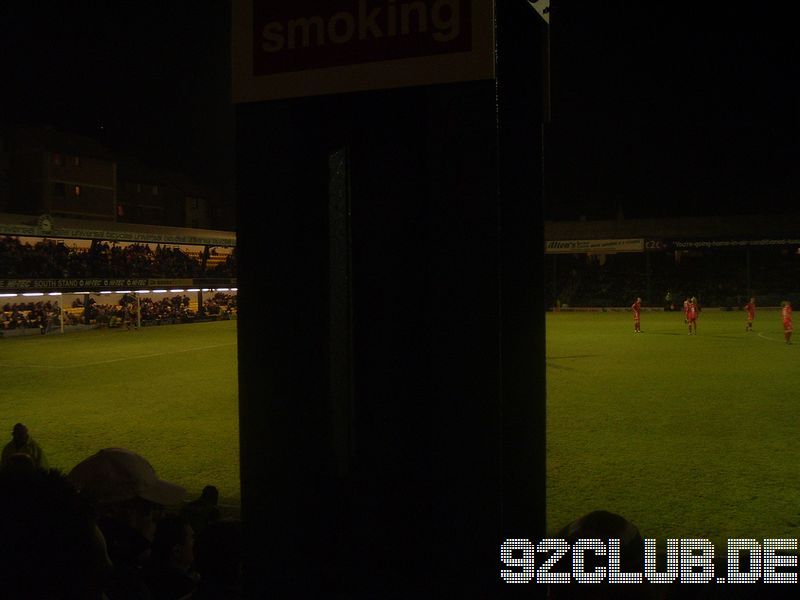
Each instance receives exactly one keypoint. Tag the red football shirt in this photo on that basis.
(636, 308)
(786, 312)
(750, 307)
(691, 311)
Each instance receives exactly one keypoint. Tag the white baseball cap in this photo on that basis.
(116, 474)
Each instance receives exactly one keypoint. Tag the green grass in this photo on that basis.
(169, 393)
(686, 436)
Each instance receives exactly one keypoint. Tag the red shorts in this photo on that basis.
(691, 319)
(787, 326)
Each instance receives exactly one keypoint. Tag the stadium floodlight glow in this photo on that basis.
(222, 289)
(142, 292)
(8, 295)
(86, 293)
(159, 291)
(106, 292)
(54, 294)
(173, 291)
(206, 290)
(33, 294)
(122, 292)
(193, 290)
(234, 289)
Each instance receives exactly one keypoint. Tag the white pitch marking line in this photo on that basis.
(763, 337)
(113, 360)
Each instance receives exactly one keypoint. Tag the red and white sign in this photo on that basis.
(311, 47)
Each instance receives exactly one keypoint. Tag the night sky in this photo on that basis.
(148, 79)
(663, 108)
(658, 108)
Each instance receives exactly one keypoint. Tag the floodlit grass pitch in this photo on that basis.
(683, 435)
(169, 393)
(686, 436)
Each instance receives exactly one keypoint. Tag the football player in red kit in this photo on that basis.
(636, 307)
(786, 313)
(750, 307)
(691, 315)
(686, 310)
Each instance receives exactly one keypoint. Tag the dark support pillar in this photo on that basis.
(340, 338)
(521, 283)
(391, 339)
(288, 507)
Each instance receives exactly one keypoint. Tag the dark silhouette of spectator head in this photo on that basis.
(19, 434)
(51, 548)
(218, 559)
(22, 443)
(210, 494)
(604, 525)
(601, 524)
(202, 511)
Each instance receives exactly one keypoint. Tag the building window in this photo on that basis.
(76, 161)
(155, 190)
(77, 190)
(120, 210)
(57, 159)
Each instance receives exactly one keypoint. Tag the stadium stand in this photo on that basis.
(174, 309)
(720, 261)
(49, 258)
(28, 259)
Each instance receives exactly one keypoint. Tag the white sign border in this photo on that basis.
(478, 64)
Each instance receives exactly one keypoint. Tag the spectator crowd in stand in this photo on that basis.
(221, 305)
(51, 259)
(161, 311)
(166, 310)
(25, 315)
(717, 277)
